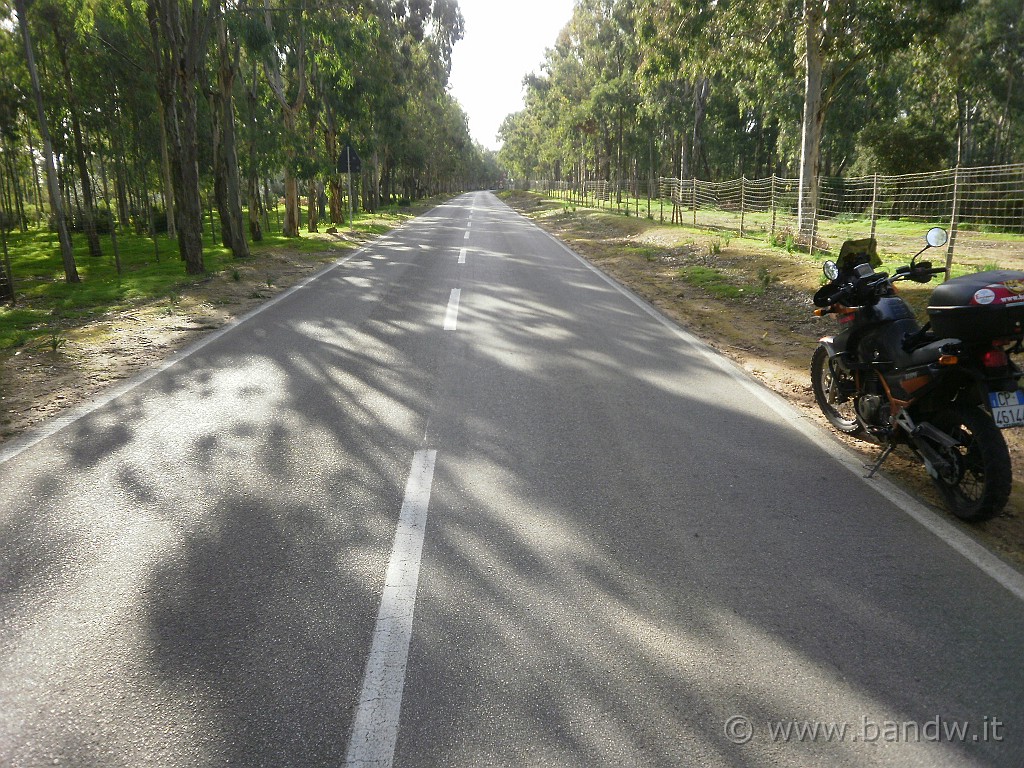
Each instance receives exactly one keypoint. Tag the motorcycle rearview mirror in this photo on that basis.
(936, 237)
(831, 270)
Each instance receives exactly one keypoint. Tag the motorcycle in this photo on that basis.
(944, 390)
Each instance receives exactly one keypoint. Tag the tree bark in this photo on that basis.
(179, 58)
(165, 174)
(76, 133)
(229, 202)
(256, 207)
(56, 207)
(290, 112)
(334, 182)
(701, 93)
(35, 176)
(810, 145)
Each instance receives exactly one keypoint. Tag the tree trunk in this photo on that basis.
(313, 193)
(76, 133)
(165, 174)
(256, 207)
(701, 93)
(179, 57)
(56, 207)
(334, 182)
(375, 183)
(290, 112)
(810, 146)
(618, 156)
(35, 177)
(229, 202)
(313, 207)
(291, 188)
(121, 173)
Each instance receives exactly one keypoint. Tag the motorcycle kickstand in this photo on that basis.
(881, 460)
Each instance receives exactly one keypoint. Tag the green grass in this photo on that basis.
(45, 302)
(716, 283)
(647, 252)
(976, 242)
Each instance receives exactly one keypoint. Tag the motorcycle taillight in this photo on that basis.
(995, 358)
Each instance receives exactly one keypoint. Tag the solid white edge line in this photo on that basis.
(451, 316)
(375, 725)
(999, 570)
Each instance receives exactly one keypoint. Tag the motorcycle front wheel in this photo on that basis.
(837, 406)
(976, 485)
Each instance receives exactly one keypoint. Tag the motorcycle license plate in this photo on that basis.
(1007, 408)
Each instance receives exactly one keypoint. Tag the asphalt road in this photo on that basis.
(461, 501)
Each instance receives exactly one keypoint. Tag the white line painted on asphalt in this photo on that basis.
(466, 237)
(452, 315)
(462, 256)
(375, 728)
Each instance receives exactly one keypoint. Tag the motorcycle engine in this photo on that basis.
(873, 405)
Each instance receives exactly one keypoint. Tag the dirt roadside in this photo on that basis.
(765, 325)
(43, 378)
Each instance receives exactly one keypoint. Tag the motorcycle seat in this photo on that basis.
(929, 353)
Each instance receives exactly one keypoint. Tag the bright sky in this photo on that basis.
(504, 41)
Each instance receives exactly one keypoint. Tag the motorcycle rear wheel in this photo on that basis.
(977, 485)
(840, 412)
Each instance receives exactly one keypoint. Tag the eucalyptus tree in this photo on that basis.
(64, 22)
(56, 204)
(424, 32)
(284, 61)
(131, 116)
(227, 183)
(519, 143)
(605, 34)
(836, 36)
(180, 32)
(982, 77)
(14, 131)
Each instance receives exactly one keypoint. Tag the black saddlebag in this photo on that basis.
(979, 308)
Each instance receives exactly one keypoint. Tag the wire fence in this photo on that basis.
(982, 208)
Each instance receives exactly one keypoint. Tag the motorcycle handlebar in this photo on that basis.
(841, 293)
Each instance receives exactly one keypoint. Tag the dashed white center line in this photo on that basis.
(375, 728)
(452, 315)
(467, 236)
(462, 256)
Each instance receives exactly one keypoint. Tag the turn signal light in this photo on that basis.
(949, 360)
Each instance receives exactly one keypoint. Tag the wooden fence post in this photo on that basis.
(743, 207)
(694, 201)
(874, 206)
(954, 220)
